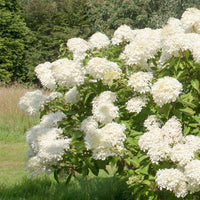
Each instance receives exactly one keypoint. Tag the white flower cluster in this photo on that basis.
(45, 75)
(99, 67)
(166, 90)
(72, 96)
(68, 73)
(103, 109)
(32, 102)
(108, 140)
(123, 34)
(145, 46)
(141, 81)
(136, 104)
(173, 180)
(191, 20)
(99, 40)
(78, 47)
(104, 142)
(168, 144)
(180, 181)
(46, 144)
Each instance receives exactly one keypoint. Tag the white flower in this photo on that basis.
(35, 167)
(175, 23)
(32, 102)
(136, 104)
(52, 146)
(192, 172)
(152, 122)
(191, 20)
(103, 109)
(51, 120)
(166, 90)
(193, 141)
(47, 146)
(105, 112)
(173, 39)
(141, 81)
(145, 46)
(159, 152)
(150, 138)
(99, 67)
(181, 154)
(45, 75)
(153, 142)
(172, 131)
(173, 180)
(89, 125)
(78, 45)
(195, 46)
(68, 73)
(106, 141)
(72, 96)
(106, 96)
(123, 34)
(98, 40)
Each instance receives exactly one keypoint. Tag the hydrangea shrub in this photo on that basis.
(131, 102)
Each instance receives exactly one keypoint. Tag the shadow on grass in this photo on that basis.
(82, 188)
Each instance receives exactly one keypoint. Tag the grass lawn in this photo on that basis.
(12, 162)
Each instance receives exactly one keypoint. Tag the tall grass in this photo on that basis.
(13, 121)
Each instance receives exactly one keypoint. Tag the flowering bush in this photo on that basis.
(131, 102)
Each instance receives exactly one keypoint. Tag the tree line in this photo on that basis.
(33, 31)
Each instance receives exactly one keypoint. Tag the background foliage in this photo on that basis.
(32, 31)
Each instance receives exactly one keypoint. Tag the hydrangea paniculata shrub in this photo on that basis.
(131, 101)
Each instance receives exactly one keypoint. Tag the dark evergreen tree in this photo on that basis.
(13, 36)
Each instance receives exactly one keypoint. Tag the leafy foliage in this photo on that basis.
(108, 15)
(52, 23)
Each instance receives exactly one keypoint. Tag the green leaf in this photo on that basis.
(132, 141)
(195, 84)
(186, 130)
(146, 182)
(68, 179)
(166, 109)
(135, 162)
(188, 111)
(143, 170)
(56, 176)
(186, 103)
